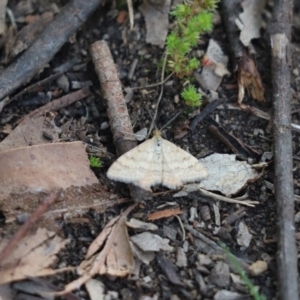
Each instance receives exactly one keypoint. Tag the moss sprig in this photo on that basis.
(192, 20)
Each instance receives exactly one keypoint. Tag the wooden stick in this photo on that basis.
(119, 119)
(280, 34)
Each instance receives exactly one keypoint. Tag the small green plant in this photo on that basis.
(191, 96)
(95, 162)
(253, 291)
(192, 19)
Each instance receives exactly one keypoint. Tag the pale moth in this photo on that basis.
(157, 161)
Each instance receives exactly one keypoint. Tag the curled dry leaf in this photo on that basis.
(249, 79)
(33, 255)
(115, 258)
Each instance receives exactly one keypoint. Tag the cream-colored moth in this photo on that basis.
(157, 161)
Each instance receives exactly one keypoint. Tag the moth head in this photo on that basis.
(156, 133)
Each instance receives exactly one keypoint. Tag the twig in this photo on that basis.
(213, 248)
(116, 107)
(24, 228)
(270, 186)
(209, 108)
(67, 21)
(182, 228)
(31, 87)
(60, 103)
(280, 34)
(130, 11)
(255, 111)
(226, 199)
(154, 84)
(159, 97)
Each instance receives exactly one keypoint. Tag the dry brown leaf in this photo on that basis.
(249, 79)
(44, 168)
(32, 131)
(32, 256)
(164, 214)
(115, 258)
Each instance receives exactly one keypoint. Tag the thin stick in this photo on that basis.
(25, 227)
(154, 84)
(226, 199)
(280, 35)
(160, 95)
(119, 119)
(59, 103)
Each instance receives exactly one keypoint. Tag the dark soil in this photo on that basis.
(152, 280)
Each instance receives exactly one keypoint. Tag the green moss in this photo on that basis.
(95, 162)
(192, 20)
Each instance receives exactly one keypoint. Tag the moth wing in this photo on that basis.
(179, 166)
(138, 166)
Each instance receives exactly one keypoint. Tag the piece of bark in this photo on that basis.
(26, 36)
(280, 34)
(65, 24)
(119, 119)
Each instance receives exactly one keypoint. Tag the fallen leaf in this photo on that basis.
(214, 67)
(166, 213)
(244, 237)
(249, 78)
(122, 15)
(144, 256)
(250, 20)
(115, 257)
(157, 21)
(226, 174)
(151, 242)
(135, 223)
(44, 167)
(95, 289)
(33, 255)
(32, 131)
